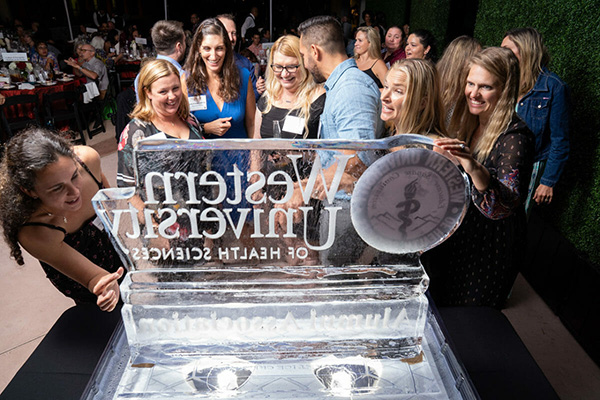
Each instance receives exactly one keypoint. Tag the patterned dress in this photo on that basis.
(478, 264)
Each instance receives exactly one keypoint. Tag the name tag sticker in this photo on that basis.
(197, 103)
(293, 125)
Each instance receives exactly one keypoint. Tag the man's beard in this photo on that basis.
(317, 76)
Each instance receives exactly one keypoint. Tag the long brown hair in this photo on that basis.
(502, 64)
(197, 80)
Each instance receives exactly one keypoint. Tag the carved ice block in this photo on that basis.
(280, 249)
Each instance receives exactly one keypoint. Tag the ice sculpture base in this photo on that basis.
(434, 374)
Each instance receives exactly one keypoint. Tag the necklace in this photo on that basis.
(51, 215)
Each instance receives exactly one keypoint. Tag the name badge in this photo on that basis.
(197, 103)
(293, 125)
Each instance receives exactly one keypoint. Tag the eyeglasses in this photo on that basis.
(279, 68)
(86, 50)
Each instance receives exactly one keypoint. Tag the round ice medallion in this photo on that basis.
(409, 201)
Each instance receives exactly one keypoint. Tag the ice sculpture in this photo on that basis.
(247, 257)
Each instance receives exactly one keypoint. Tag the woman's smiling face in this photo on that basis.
(482, 92)
(289, 80)
(58, 186)
(165, 95)
(213, 52)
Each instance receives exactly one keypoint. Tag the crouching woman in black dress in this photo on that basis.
(46, 188)
(479, 263)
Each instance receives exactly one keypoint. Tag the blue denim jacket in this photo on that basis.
(546, 110)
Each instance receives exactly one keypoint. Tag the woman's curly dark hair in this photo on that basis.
(197, 80)
(24, 156)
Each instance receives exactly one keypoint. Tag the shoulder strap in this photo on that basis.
(374, 63)
(99, 183)
(56, 228)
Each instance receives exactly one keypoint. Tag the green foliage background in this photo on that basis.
(571, 32)
(433, 16)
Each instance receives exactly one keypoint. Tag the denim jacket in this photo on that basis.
(546, 110)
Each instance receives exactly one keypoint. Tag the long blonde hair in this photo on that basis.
(421, 110)
(451, 65)
(289, 46)
(533, 53)
(150, 73)
(502, 64)
(374, 50)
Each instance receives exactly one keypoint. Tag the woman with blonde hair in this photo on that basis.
(450, 68)
(162, 110)
(367, 53)
(479, 263)
(291, 96)
(544, 105)
(409, 100)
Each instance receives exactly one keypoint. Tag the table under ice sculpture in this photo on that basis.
(253, 260)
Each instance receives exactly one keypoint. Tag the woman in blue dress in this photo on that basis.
(217, 88)
(220, 100)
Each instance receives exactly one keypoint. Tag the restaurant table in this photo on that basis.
(499, 365)
(40, 90)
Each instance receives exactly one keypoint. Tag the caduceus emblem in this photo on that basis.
(408, 206)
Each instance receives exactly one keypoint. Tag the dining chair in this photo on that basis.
(92, 112)
(126, 74)
(18, 112)
(64, 106)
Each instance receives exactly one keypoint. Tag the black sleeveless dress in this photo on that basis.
(91, 241)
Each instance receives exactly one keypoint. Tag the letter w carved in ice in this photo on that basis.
(317, 169)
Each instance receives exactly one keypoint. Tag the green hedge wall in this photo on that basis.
(433, 16)
(395, 11)
(571, 32)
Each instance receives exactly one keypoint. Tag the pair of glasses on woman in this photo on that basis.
(279, 68)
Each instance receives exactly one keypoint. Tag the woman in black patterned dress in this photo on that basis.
(479, 263)
(46, 188)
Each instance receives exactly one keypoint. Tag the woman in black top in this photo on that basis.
(367, 53)
(46, 187)
(292, 104)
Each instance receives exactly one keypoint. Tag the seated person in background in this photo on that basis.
(111, 48)
(407, 103)
(45, 207)
(256, 46)
(367, 53)
(252, 58)
(98, 43)
(91, 67)
(29, 43)
(162, 108)
(291, 94)
(45, 58)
